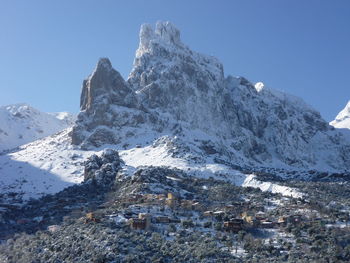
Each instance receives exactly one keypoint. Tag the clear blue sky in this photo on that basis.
(302, 47)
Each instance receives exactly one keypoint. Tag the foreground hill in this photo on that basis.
(160, 214)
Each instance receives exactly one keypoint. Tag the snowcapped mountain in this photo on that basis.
(343, 118)
(21, 123)
(174, 90)
(178, 109)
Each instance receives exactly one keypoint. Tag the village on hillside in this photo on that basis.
(242, 222)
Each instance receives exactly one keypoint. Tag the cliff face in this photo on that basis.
(169, 77)
(175, 91)
(104, 86)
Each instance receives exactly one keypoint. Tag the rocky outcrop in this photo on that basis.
(105, 86)
(102, 91)
(102, 170)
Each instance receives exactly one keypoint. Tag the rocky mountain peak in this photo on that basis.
(104, 86)
(174, 90)
(346, 110)
(343, 118)
(259, 86)
(165, 33)
(104, 64)
(168, 76)
(168, 32)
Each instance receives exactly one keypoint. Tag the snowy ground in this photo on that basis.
(44, 166)
(51, 164)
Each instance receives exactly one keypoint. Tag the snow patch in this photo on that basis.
(252, 181)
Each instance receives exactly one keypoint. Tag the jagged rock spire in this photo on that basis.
(104, 85)
(168, 32)
(165, 33)
(104, 88)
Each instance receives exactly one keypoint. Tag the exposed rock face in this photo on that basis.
(102, 90)
(168, 76)
(277, 124)
(174, 90)
(105, 86)
(102, 170)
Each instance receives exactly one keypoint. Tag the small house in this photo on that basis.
(172, 200)
(147, 218)
(162, 219)
(234, 225)
(282, 221)
(198, 206)
(261, 216)
(229, 208)
(91, 217)
(175, 220)
(249, 218)
(186, 204)
(53, 228)
(267, 224)
(138, 224)
(219, 213)
(208, 213)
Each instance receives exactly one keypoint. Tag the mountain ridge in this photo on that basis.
(20, 124)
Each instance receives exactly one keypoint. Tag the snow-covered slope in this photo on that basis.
(53, 163)
(44, 166)
(21, 123)
(343, 118)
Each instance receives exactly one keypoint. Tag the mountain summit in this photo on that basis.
(177, 92)
(343, 118)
